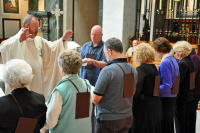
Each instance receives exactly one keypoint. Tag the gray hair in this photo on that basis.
(114, 44)
(28, 19)
(70, 61)
(183, 47)
(17, 72)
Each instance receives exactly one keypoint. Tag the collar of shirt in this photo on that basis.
(99, 44)
(66, 76)
(193, 52)
(30, 39)
(19, 90)
(165, 56)
(118, 60)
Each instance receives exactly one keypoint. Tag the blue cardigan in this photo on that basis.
(168, 70)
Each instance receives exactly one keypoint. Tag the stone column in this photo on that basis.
(50, 6)
(81, 19)
(119, 20)
(100, 12)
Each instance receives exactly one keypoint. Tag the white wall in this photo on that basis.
(118, 20)
(113, 15)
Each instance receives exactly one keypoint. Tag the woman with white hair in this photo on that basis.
(184, 98)
(147, 110)
(63, 104)
(17, 74)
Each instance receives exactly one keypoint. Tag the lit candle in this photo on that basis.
(195, 6)
(142, 8)
(160, 6)
(184, 6)
(170, 4)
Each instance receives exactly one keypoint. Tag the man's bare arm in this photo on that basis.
(96, 63)
(96, 99)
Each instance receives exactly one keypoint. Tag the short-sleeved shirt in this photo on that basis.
(92, 73)
(110, 86)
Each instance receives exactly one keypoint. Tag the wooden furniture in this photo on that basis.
(182, 29)
(194, 46)
(157, 61)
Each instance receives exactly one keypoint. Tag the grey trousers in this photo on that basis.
(114, 126)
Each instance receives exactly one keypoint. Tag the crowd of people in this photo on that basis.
(109, 96)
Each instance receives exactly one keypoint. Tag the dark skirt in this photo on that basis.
(168, 110)
(154, 129)
(147, 114)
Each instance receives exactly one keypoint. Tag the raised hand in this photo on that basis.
(25, 34)
(67, 35)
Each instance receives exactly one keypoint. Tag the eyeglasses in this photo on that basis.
(35, 28)
(178, 51)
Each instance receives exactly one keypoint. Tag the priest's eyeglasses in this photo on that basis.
(35, 28)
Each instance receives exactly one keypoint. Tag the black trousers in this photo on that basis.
(93, 118)
(168, 110)
(114, 126)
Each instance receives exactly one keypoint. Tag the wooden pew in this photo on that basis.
(194, 46)
(135, 64)
(157, 61)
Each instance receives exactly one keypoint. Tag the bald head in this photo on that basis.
(96, 34)
(97, 28)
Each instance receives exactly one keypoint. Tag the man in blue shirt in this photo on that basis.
(92, 53)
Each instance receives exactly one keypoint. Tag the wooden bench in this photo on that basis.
(135, 64)
(194, 46)
(157, 61)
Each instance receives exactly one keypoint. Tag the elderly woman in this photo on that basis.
(168, 71)
(17, 74)
(184, 98)
(146, 107)
(62, 103)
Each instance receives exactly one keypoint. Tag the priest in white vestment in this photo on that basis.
(39, 53)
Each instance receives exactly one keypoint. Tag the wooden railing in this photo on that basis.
(194, 46)
(157, 61)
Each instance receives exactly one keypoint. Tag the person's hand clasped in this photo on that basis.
(67, 35)
(89, 61)
(25, 34)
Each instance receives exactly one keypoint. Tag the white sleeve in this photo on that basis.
(54, 110)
